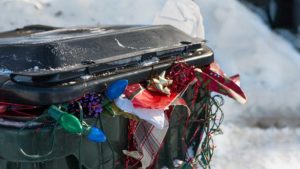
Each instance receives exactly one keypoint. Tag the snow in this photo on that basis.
(269, 65)
(254, 148)
(122, 46)
(292, 37)
(17, 13)
(5, 72)
(264, 133)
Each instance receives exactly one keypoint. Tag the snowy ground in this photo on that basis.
(264, 133)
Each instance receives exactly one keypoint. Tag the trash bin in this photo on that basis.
(42, 66)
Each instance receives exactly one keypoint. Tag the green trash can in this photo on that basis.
(43, 66)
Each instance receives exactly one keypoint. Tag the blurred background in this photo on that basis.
(259, 39)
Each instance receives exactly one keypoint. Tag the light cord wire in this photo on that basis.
(81, 136)
(27, 125)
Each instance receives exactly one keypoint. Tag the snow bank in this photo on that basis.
(268, 64)
(264, 133)
(183, 14)
(17, 13)
(252, 148)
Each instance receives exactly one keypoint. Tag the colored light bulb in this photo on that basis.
(67, 121)
(96, 135)
(115, 89)
(70, 123)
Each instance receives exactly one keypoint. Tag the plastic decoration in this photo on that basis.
(116, 89)
(91, 105)
(72, 124)
(96, 135)
(67, 121)
(160, 84)
(112, 109)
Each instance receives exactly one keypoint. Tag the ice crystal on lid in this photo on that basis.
(5, 72)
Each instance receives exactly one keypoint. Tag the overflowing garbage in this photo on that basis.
(88, 97)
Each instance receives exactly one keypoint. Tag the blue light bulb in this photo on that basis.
(115, 89)
(96, 135)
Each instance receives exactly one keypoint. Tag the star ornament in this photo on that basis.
(160, 84)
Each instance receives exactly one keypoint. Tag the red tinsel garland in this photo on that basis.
(182, 75)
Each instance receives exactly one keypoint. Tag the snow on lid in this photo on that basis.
(53, 35)
(5, 72)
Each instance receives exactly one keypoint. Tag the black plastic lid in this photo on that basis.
(42, 65)
(34, 50)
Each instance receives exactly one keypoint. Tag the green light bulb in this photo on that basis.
(70, 123)
(67, 121)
